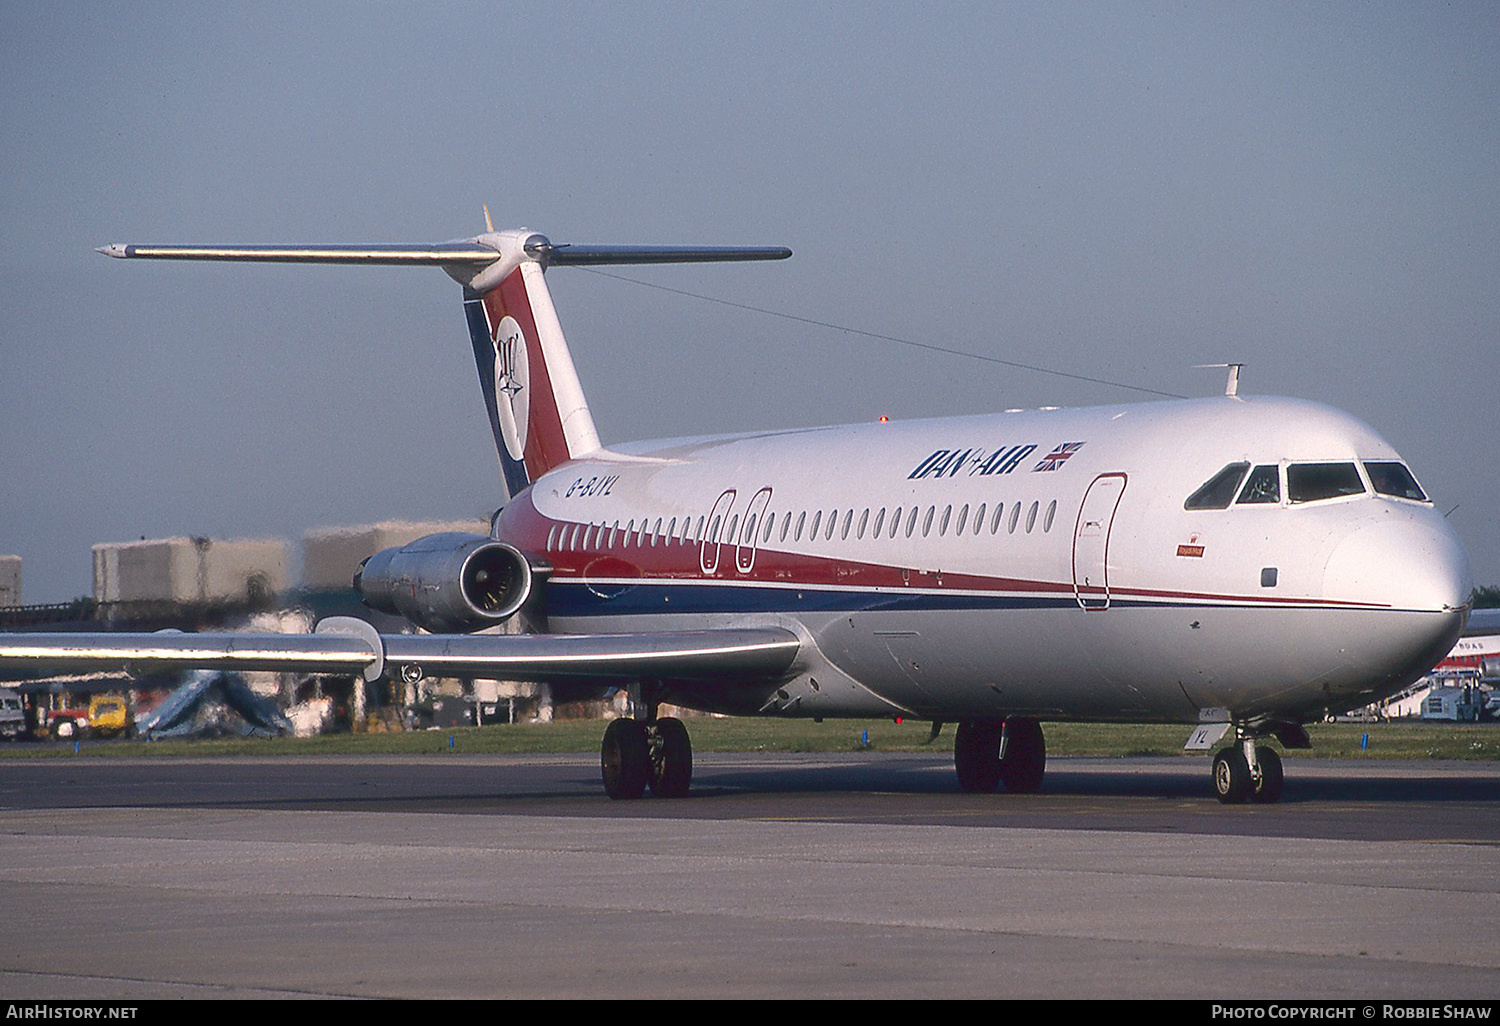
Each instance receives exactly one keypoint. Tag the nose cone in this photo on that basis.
(1414, 564)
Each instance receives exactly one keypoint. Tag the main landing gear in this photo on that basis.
(988, 753)
(1246, 770)
(648, 752)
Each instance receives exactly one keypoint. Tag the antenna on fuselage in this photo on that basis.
(1232, 386)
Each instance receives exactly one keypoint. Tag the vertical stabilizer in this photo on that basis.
(537, 411)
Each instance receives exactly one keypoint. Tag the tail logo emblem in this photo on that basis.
(512, 400)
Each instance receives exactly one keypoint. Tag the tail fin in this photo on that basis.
(536, 406)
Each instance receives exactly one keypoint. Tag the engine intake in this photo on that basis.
(447, 582)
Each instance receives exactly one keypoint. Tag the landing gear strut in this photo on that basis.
(977, 755)
(1246, 770)
(648, 752)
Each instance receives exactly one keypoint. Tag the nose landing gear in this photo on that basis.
(1247, 771)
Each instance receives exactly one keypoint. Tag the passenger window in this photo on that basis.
(979, 518)
(1015, 517)
(765, 535)
(812, 535)
(1051, 513)
(671, 530)
(1264, 485)
(995, 520)
(750, 529)
(927, 521)
(551, 537)
(864, 520)
(731, 538)
(911, 521)
(786, 525)
(1310, 482)
(943, 525)
(1031, 516)
(848, 520)
(1394, 479)
(895, 521)
(833, 522)
(963, 518)
(1218, 491)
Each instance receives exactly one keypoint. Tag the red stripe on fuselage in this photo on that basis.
(524, 526)
(546, 445)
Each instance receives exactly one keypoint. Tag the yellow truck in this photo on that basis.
(105, 715)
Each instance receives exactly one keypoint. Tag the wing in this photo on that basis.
(345, 645)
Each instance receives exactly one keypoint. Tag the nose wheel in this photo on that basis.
(1247, 772)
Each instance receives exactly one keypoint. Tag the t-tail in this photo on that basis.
(536, 406)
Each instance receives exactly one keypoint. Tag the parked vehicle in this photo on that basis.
(105, 715)
(12, 715)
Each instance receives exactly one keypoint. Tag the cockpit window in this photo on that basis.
(1394, 479)
(1218, 491)
(1264, 485)
(1309, 482)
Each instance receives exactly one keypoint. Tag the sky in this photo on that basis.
(1113, 190)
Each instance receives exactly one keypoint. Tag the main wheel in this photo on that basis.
(1268, 787)
(671, 758)
(625, 759)
(1232, 783)
(1025, 760)
(976, 756)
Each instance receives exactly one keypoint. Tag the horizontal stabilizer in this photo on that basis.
(579, 256)
(354, 648)
(438, 255)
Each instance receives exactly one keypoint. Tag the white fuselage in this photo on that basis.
(1034, 563)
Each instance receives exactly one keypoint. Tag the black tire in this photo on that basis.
(1025, 761)
(625, 759)
(976, 756)
(1268, 788)
(671, 758)
(1232, 783)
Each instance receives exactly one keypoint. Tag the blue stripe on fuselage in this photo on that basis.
(484, 358)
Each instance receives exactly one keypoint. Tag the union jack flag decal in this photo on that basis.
(1057, 457)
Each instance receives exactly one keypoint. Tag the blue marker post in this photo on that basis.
(450, 742)
(864, 739)
(1364, 741)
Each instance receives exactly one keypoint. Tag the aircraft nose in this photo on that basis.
(1412, 564)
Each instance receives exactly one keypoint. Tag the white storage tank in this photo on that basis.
(190, 570)
(331, 555)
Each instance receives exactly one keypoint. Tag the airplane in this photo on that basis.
(1230, 562)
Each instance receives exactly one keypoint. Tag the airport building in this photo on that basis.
(10, 581)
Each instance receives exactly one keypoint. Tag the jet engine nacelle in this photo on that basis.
(447, 582)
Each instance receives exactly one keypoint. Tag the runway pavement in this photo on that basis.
(859, 875)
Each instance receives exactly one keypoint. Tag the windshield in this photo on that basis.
(1310, 482)
(1264, 485)
(1218, 491)
(1391, 478)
